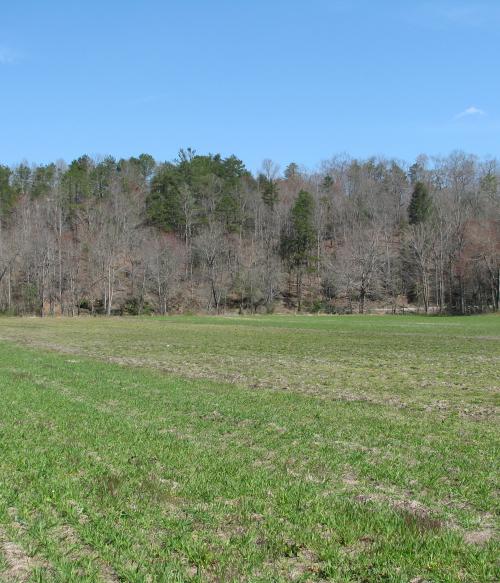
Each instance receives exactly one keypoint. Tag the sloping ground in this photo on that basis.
(116, 473)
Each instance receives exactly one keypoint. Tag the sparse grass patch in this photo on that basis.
(377, 462)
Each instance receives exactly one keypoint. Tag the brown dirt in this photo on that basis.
(19, 564)
(298, 566)
(479, 537)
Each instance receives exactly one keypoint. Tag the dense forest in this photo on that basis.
(135, 236)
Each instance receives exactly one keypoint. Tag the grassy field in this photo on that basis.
(265, 449)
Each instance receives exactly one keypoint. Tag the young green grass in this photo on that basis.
(249, 449)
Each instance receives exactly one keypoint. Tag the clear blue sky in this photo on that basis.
(288, 80)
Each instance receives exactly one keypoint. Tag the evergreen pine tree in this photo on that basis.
(420, 206)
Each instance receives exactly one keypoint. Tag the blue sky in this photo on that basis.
(287, 80)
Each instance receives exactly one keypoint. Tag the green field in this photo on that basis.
(273, 448)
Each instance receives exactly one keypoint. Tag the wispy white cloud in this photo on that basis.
(470, 111)
(463, 14)
(441, 15)
(7, 56)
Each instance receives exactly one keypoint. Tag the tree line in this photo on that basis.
(135, 236)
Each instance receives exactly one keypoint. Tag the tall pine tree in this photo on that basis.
(420, 207)
(297, 244)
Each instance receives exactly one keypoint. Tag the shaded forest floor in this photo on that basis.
(270, 448)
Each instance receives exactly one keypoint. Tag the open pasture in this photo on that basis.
(271, 448)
